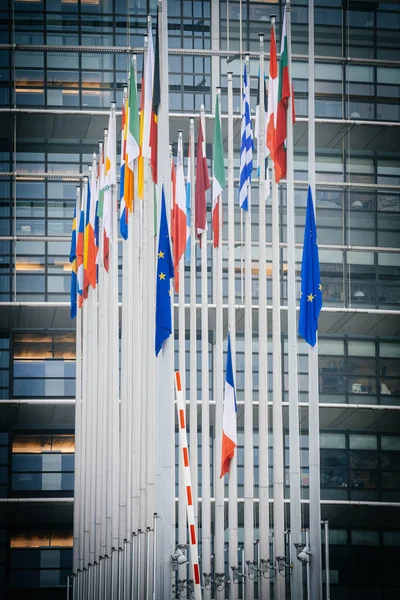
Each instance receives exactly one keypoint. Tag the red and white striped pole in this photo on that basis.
(183, 447)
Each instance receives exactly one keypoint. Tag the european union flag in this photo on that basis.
(165, 272)
(311, 289)
(72, 260)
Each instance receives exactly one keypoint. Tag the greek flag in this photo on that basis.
(246, 147)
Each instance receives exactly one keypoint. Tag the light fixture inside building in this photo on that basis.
(357, 204)
(359, 294)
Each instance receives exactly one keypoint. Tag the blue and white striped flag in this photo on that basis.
(246, 146)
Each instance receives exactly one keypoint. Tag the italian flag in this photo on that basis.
(283, 100)
(131, 138)
(219, 181)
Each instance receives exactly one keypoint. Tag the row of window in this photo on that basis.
(350, 370)
(337, 29)
(355, 466)
(346, 282)
(79, 80)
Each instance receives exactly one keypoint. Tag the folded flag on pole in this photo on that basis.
(93, 241)
(123, 214)
(311, 289)
(272, 103)
(80, 246)
(181, 232)
(188, 199)
(246, 146)
(173, 193)
(110, 182)
(202, 184)
(283, 100)
(155, 105)
(229, 419)
(72, 260)
(148, 95)
(132, 137)
(262, 105)
(219, 181)
(165, 272)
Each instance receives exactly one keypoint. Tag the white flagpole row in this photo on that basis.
(262, 344)
(248, 395)
(183, 448)
(232, 504)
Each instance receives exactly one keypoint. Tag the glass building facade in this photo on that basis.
(61, 64)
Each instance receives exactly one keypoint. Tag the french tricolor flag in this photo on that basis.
(229, 432)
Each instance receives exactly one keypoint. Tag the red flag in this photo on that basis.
(283, 100)
(173, 196)
(202, 185)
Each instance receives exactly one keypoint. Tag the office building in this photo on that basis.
(62, 63)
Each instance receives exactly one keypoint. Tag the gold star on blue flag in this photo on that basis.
(165, 272)
(311, 289)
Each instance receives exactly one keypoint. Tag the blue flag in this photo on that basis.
(311, 289)
(165, 272)
(72, 260)
(246, 146)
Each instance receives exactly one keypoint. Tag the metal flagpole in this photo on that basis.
(114, 424)
(78, 430)
(294, 436)
(313, 390)
(263, 518)
(327, 572)
(219, 511)
(147, 347)
(165, 432)
(232, 503)
(125, 364)
(94, 390)
(205, 405)
(100, 483)
(150, 368)
(248, 394)
(182, 521)
(193, 332)
(278, 469)
(107, 415)
(137, 379)
(85, 427)
(134, 379)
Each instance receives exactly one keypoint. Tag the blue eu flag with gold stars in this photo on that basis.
(165, 272)
(311, 289)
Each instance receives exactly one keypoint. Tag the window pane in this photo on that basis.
(363, 442)
(365, 538)
(332, 440)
